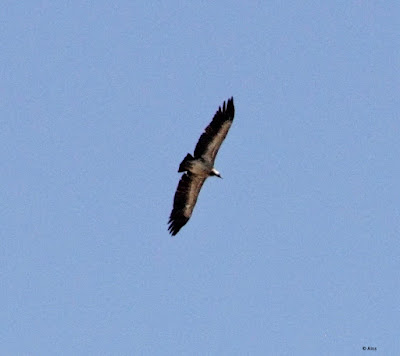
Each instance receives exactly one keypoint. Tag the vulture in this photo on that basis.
(200, 166)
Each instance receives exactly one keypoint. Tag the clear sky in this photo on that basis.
(295, 252)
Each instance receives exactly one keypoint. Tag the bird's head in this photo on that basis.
(214, 172)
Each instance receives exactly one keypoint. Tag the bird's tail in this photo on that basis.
(185, 164)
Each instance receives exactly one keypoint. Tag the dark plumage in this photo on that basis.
(200, 166)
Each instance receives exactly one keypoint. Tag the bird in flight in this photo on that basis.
(200, 166)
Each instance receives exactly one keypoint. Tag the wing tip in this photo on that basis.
(228, 107)
(172, 231)
(175, 224)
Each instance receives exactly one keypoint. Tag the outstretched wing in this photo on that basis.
(214, 134)
(184, 201)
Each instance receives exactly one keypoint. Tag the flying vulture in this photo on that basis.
(200, 166)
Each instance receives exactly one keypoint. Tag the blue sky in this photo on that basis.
(295, 251)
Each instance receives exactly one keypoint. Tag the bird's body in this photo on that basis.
(199, 167)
